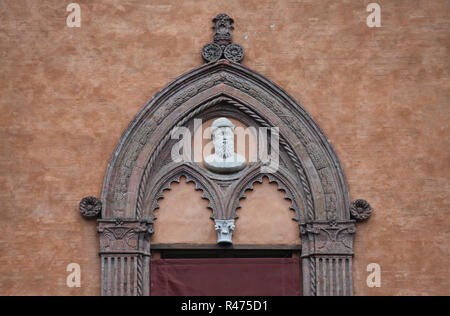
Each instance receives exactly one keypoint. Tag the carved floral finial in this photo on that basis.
(223, 46)
(90, 207)
(360, 210)
(223, 30)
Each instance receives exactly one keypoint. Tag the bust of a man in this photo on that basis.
(224, 160)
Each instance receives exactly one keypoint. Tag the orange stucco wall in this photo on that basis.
(380, 95)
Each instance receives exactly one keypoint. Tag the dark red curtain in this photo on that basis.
(226, 277)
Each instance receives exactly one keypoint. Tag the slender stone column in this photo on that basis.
(327, 255)
(125, 257)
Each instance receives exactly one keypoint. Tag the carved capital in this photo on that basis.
(90, 207)
(224, 230)
(360, 210)
(327, 238)
(124, 237)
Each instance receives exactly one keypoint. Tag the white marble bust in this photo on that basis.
(224, 160)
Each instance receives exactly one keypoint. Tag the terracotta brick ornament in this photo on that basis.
(141, 169)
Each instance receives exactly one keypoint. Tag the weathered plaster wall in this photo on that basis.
(381, 96)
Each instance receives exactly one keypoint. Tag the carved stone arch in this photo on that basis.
(150, 131)
(140, 169)
(133, 164)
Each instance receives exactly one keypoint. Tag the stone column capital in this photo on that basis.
(224, 228)
(327, 238)
(121, 236)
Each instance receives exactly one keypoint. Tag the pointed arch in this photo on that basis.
(208, 86)
(311, 174)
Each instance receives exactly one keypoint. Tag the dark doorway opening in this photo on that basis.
(226, 273)
(224, 253)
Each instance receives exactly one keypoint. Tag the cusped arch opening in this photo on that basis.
(183, 215)
(266, 216)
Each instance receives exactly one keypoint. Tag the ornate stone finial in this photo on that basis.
(223, 46)
(223, 30)
(90, 207)
(224, 228)
(360, 210)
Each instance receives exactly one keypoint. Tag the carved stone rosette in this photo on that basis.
(327, 253)
(125, 257)
(360, 210)
(90, 207)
